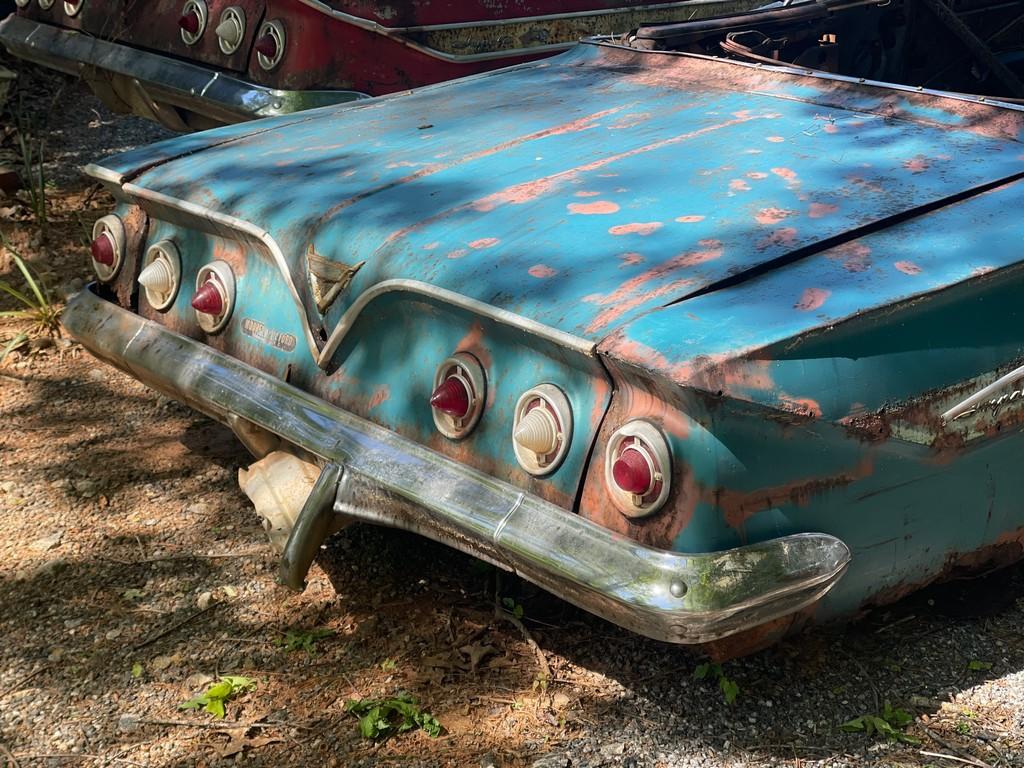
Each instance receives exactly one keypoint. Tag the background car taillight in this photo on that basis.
(107, 248)
(72, 7)
(161, 275)
(22, 3)
(231, 29)
(542, 429)
(214, 298)
(46, 4)
(270, 44)
(460, 392)
(192, 22)
(638, 468)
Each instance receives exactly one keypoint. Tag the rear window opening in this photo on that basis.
(968, 46)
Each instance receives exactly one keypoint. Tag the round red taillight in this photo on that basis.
(638, 467)
(103, 249)
(190, 22)
(214, 299)
(457, 402)
(452, 397)
(632, 472)
(267, 46)
(208, 299)
(107, 247)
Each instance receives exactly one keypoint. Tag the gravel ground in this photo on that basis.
(133, 572)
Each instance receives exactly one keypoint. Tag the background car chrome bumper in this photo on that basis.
(681, 598)
(128, 79)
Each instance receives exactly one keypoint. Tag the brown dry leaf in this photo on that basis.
(477, 653)
(239, 741)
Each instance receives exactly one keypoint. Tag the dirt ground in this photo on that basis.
(133, 573)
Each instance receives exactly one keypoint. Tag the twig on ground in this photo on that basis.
(542, 661)
(9, 756)
(867, 676)
(954, 758)
(895, 624)
(77, 756)
(193, 556)
(17, 686)
(954, 748)
(226, 725)
(175, 626)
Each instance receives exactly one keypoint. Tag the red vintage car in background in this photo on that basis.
(194, 64)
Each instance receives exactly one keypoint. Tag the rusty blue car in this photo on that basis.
(712, 328)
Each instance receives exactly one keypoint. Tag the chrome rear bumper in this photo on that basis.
(680, 598)
(132, 80)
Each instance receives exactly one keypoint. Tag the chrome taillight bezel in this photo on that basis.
(235, 15)
(111, 227)
(220, 273)
(555, 402)
(72, 9)
(166, 252)
(652, 444)
(467, 369)
(275, 29)
(191, 38)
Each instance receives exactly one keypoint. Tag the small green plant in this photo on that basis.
(963, 727)
(889, 724)
(979, 666)
(303, 640)
(38, 309)
(516, 609)
(32, 151)
(382, 718)
(388, 665)
(218, 694)
(136, 670)
(730, 690)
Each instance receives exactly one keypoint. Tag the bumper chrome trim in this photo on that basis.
(143, 80)
(681, 598)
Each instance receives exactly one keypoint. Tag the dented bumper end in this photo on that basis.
(389, 480)
(154, 86)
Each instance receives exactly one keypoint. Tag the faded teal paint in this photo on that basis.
(609, 193)
(473, 184)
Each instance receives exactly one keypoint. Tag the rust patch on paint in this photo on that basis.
(738, 185)
(856, 257)
(812, 299)
(457, 253)
(484, 242)
(689, 219)
(598, 207)
(907, 267)
(541, 271)
(772, 215)
(380, 395)
(637, 228)
(625, 298)
(917, 164)
(739, 506)
(804, 406)
(820, 210)
(630, 259)
(586, 193)
(781, 236)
